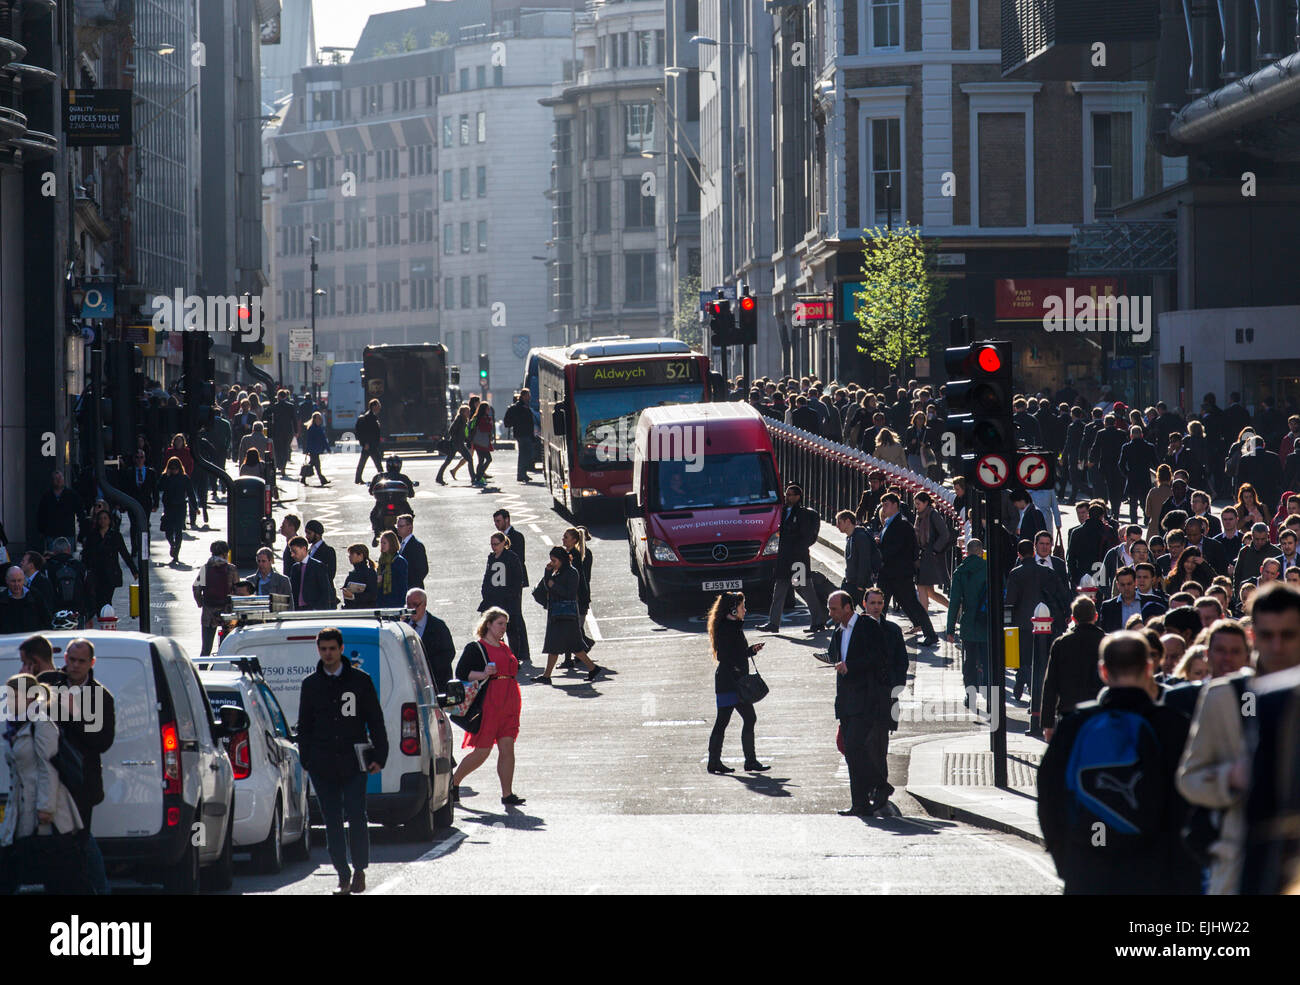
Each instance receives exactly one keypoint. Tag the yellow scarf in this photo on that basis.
(386, 572)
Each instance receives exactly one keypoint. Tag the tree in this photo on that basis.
(899, 299)
(686, 316)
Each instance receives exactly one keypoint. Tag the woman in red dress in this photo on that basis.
(490, 659)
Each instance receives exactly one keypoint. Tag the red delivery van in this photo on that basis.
(704, 512)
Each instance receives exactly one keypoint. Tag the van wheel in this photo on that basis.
(221, 875)
(422, 826)
(182, 879)
(268, 857)
(300, 850)
(445, 815)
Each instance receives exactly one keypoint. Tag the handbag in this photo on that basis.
(564, 608)
(468, 714)
(69, 763)
(751, 688)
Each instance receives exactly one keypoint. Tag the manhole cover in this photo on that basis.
(975, 769)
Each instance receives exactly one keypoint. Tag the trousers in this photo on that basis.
(866, 750)
(339, 799)
(904, 591)
(375, 454)
(747, 717)
(781, 588)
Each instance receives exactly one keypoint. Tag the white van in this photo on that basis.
(169, 788)
(414, 788)
(347, 399)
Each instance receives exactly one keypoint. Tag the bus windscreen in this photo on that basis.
(607, 419)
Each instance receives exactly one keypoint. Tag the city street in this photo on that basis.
(618, 800)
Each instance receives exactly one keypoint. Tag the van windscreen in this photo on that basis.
(738, 479)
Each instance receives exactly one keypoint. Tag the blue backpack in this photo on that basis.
(1114, 777)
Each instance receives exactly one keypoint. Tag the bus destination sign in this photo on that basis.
(656, 372)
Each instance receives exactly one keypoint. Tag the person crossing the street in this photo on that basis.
(489, 659)
(731, 654)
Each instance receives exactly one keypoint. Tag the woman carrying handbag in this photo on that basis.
(732, 681)
(559, 590)
(489, 659)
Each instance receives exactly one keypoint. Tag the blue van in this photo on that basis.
(347, 399)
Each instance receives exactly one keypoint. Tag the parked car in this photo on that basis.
(273, 820)
(169, 787)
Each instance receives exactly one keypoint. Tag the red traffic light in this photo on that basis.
(245, 312)
(989, 359)
(747, 303)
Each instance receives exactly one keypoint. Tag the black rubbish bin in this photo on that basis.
(245, 513)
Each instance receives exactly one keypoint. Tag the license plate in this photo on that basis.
(732, 585)
(408, 437)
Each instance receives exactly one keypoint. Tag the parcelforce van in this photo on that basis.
(169, 789)
(704, 514)
(414, 787)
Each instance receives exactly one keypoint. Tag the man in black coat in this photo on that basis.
(417, 559)
(320, 551)
(283, 419)
(804, 417)
(1029, 518)
(1072, 451)
(1072, 675)
(1026, 424)
(799, 528)
(339, 708)
(1263, 470)
(1137, 460)
(435, 637)
(1086, 543)
(1235, 417)
(1027, 586)
(1127, 602)
(140, 483)
(370, 437)
(311, 586)
(56, 515)
(501, 520)
(899, 554)
(870, 663)
(92, 731)
(861, 556)
(21, 609)
(1104, 453)
(1212, 550)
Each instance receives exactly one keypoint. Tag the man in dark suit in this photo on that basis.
(435, 637)
(311, 586)
(1072, 676)
(320, 551)
(799, 527)
(1104, 454)
(501, 520)
(861, 556)
(1029, 518)
(289, 527)
(870, 663)
(1127, 602)
(417, 560)
(1028, 585)
(370, 437)
(1262, 469)
(140, 483)
(898, 550)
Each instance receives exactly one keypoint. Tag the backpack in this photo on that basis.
(216, 589)
(65, 584)
(1114, 778)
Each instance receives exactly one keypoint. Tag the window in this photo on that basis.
(638, 127)
(600, 132)
(420, 159)
(480, 77)
(692, 95)
(885, 155)
(692, 15)
(464, 182)
(464, 79)
(638, 208)
(464, 345)
(563, 141)
(659, 48)
(482, 126)
(464, 237)
(466, 298)
(482, 181)
(603, 281)
(448, 185)
(451, 339)
(482, 235)
(639, 278)
(464, 129)
(564, 286)
(645, 47)
(692, 186)
(448, 132)
(482, 291)
(498, 76)
(448, 239)
(449, 302)
(563, 214)
(602, 207)
(1112, 161)
(885, 24)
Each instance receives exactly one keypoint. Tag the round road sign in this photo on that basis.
(1033, 471)
(992, 471)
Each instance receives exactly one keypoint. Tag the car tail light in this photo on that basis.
(173, 816)
(240, 755)
(171, 753)
(410, 730)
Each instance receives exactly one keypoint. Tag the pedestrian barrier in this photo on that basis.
(834, 476)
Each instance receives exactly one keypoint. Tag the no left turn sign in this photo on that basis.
(992, 472)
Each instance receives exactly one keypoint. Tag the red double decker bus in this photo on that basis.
(591, 395)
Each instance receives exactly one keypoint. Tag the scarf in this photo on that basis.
(386, 572)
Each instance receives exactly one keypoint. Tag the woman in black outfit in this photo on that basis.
(559, 590)
(104, 545)
(575, 540)
(362, 573)
(732, 653)
(503, 579)
(176, 493)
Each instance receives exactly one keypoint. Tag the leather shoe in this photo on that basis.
(345, 886)
(768, 627)
(855, 812)
(817, 628)
(358, 882)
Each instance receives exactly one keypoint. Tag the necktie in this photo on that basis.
(141, 479)
(302, 583)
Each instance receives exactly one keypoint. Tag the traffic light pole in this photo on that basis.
(995, 548)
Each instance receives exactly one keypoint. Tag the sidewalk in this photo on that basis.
(951, 775)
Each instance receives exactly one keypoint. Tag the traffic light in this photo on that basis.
(979, 395)
(483, 369)
(722, 323)
(249, 314)
(747, 333)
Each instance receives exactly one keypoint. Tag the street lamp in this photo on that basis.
(314, 243)
(158, 49)
(297, 165)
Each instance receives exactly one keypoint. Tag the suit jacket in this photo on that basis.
(517, 545)
(1072, 676)
(799, 527)
(438, 650)
(145, 493)
(329, 561)
(1112, 611)
(277, 584)
(1032, 522)
(318, 593)
(417, 563)
(1027, 585)
(873, 668)
(898, 550)
(861, 558)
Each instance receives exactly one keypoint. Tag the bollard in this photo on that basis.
(134, 593)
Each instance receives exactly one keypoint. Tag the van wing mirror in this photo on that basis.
(717, 387)
(631, 507)
(231, 719)
(454, 696)
(558, 421)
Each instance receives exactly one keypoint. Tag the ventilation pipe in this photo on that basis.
(1205, 40)
(1277, 30)
(1172, 58)
(1237, 21)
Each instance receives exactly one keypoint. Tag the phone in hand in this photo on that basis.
(756, 647)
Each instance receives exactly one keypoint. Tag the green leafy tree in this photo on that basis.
(439, 39)
(899, 299)
(686, 318)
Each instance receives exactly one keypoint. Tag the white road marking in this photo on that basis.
(593, 627)
(535, 528)
(437, 850)
(547, 541)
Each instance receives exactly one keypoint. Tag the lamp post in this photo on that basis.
(312, 365)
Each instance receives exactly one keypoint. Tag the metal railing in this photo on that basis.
(834, 477)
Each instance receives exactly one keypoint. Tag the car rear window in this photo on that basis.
(220, 697)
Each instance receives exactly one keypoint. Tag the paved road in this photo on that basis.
(618, 797)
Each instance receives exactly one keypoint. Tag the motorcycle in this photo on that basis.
(392, 492)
